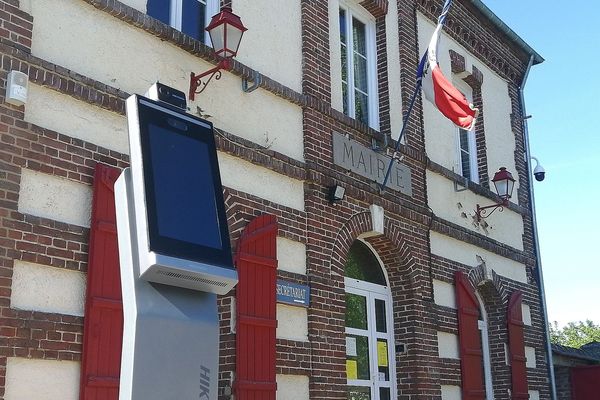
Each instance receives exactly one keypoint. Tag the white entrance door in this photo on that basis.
(370, 368)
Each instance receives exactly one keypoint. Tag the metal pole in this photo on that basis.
(404, 124)
(535, 235)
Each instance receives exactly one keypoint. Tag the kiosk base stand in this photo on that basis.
(171, 334)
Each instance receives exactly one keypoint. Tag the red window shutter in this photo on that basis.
(469, 338)
(103, 323)
(585, 382)
(256, 261)
(516, 346)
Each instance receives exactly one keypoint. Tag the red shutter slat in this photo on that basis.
(103, 322)
(516, 346)
(585, 382)
(256, 262)
(469, 338)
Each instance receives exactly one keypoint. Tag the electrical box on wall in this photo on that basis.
(16, 88)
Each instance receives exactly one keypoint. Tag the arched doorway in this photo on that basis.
(370, 366)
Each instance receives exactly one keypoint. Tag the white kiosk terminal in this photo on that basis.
(175, 254)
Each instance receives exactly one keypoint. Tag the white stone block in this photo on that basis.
(292, 323)
(450, 392)
(530, 356)
(534, 395)
(37, 287)
(28, 379)
(455, 250)
(444, 293)
(64, 114)
(261, 182)
(377, 216)
(526, 314)
(448, 345)
(292, 387)
(59, 199)
(291, 256)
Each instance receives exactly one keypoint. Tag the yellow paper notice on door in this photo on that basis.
(351, 369)
(382, 354)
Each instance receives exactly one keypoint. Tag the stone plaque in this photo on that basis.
(366, 162)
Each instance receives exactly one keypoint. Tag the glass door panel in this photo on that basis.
(359, 393)
(369, 358)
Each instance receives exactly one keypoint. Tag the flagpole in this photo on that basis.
(441, 20)
(404, 124)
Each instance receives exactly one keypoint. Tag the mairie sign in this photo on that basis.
(366, 162)
(293, 293)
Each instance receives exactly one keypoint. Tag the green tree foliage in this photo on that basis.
(575, 334)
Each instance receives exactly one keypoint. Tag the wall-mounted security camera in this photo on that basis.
(538, 172)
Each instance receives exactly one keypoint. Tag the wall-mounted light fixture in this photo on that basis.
(225, 30)
(504, 184)
(336, 193)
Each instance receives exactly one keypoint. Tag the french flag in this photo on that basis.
(438, 90)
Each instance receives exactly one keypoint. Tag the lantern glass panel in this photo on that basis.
(504, 188)
(233, 38)
(217, 38)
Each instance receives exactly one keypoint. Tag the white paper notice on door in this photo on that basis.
(350, 346)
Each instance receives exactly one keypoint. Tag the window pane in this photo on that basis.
(345, 97)
(359, 36)
(344, 52)
(343, 38)
(360, 73)
(359, 393)
(465, 163)
(464, 140)
(363, 265)
(384, 393)
(361, 107)
(193, 18)
(383, 362)
(380, 316)
(356, 311)
(357, 366)
(159, 9)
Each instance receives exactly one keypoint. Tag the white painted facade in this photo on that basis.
(263, 18)
(52, 110)
(265, 183)
(448, 345)
(28, 379)
(291, 256)
(262, 118)
(38, 287)
(292, 387)
(440, 134)
(466, 253)
(450, 392)
(55, 198)
(530, 356)
(444, 294)
(459, 208)
(292, 323)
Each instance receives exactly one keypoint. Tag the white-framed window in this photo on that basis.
(187, 16)
(359, 65)
(482, 324)
(466, 146)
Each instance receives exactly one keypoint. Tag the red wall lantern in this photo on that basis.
(225, 31)
(504, 183)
